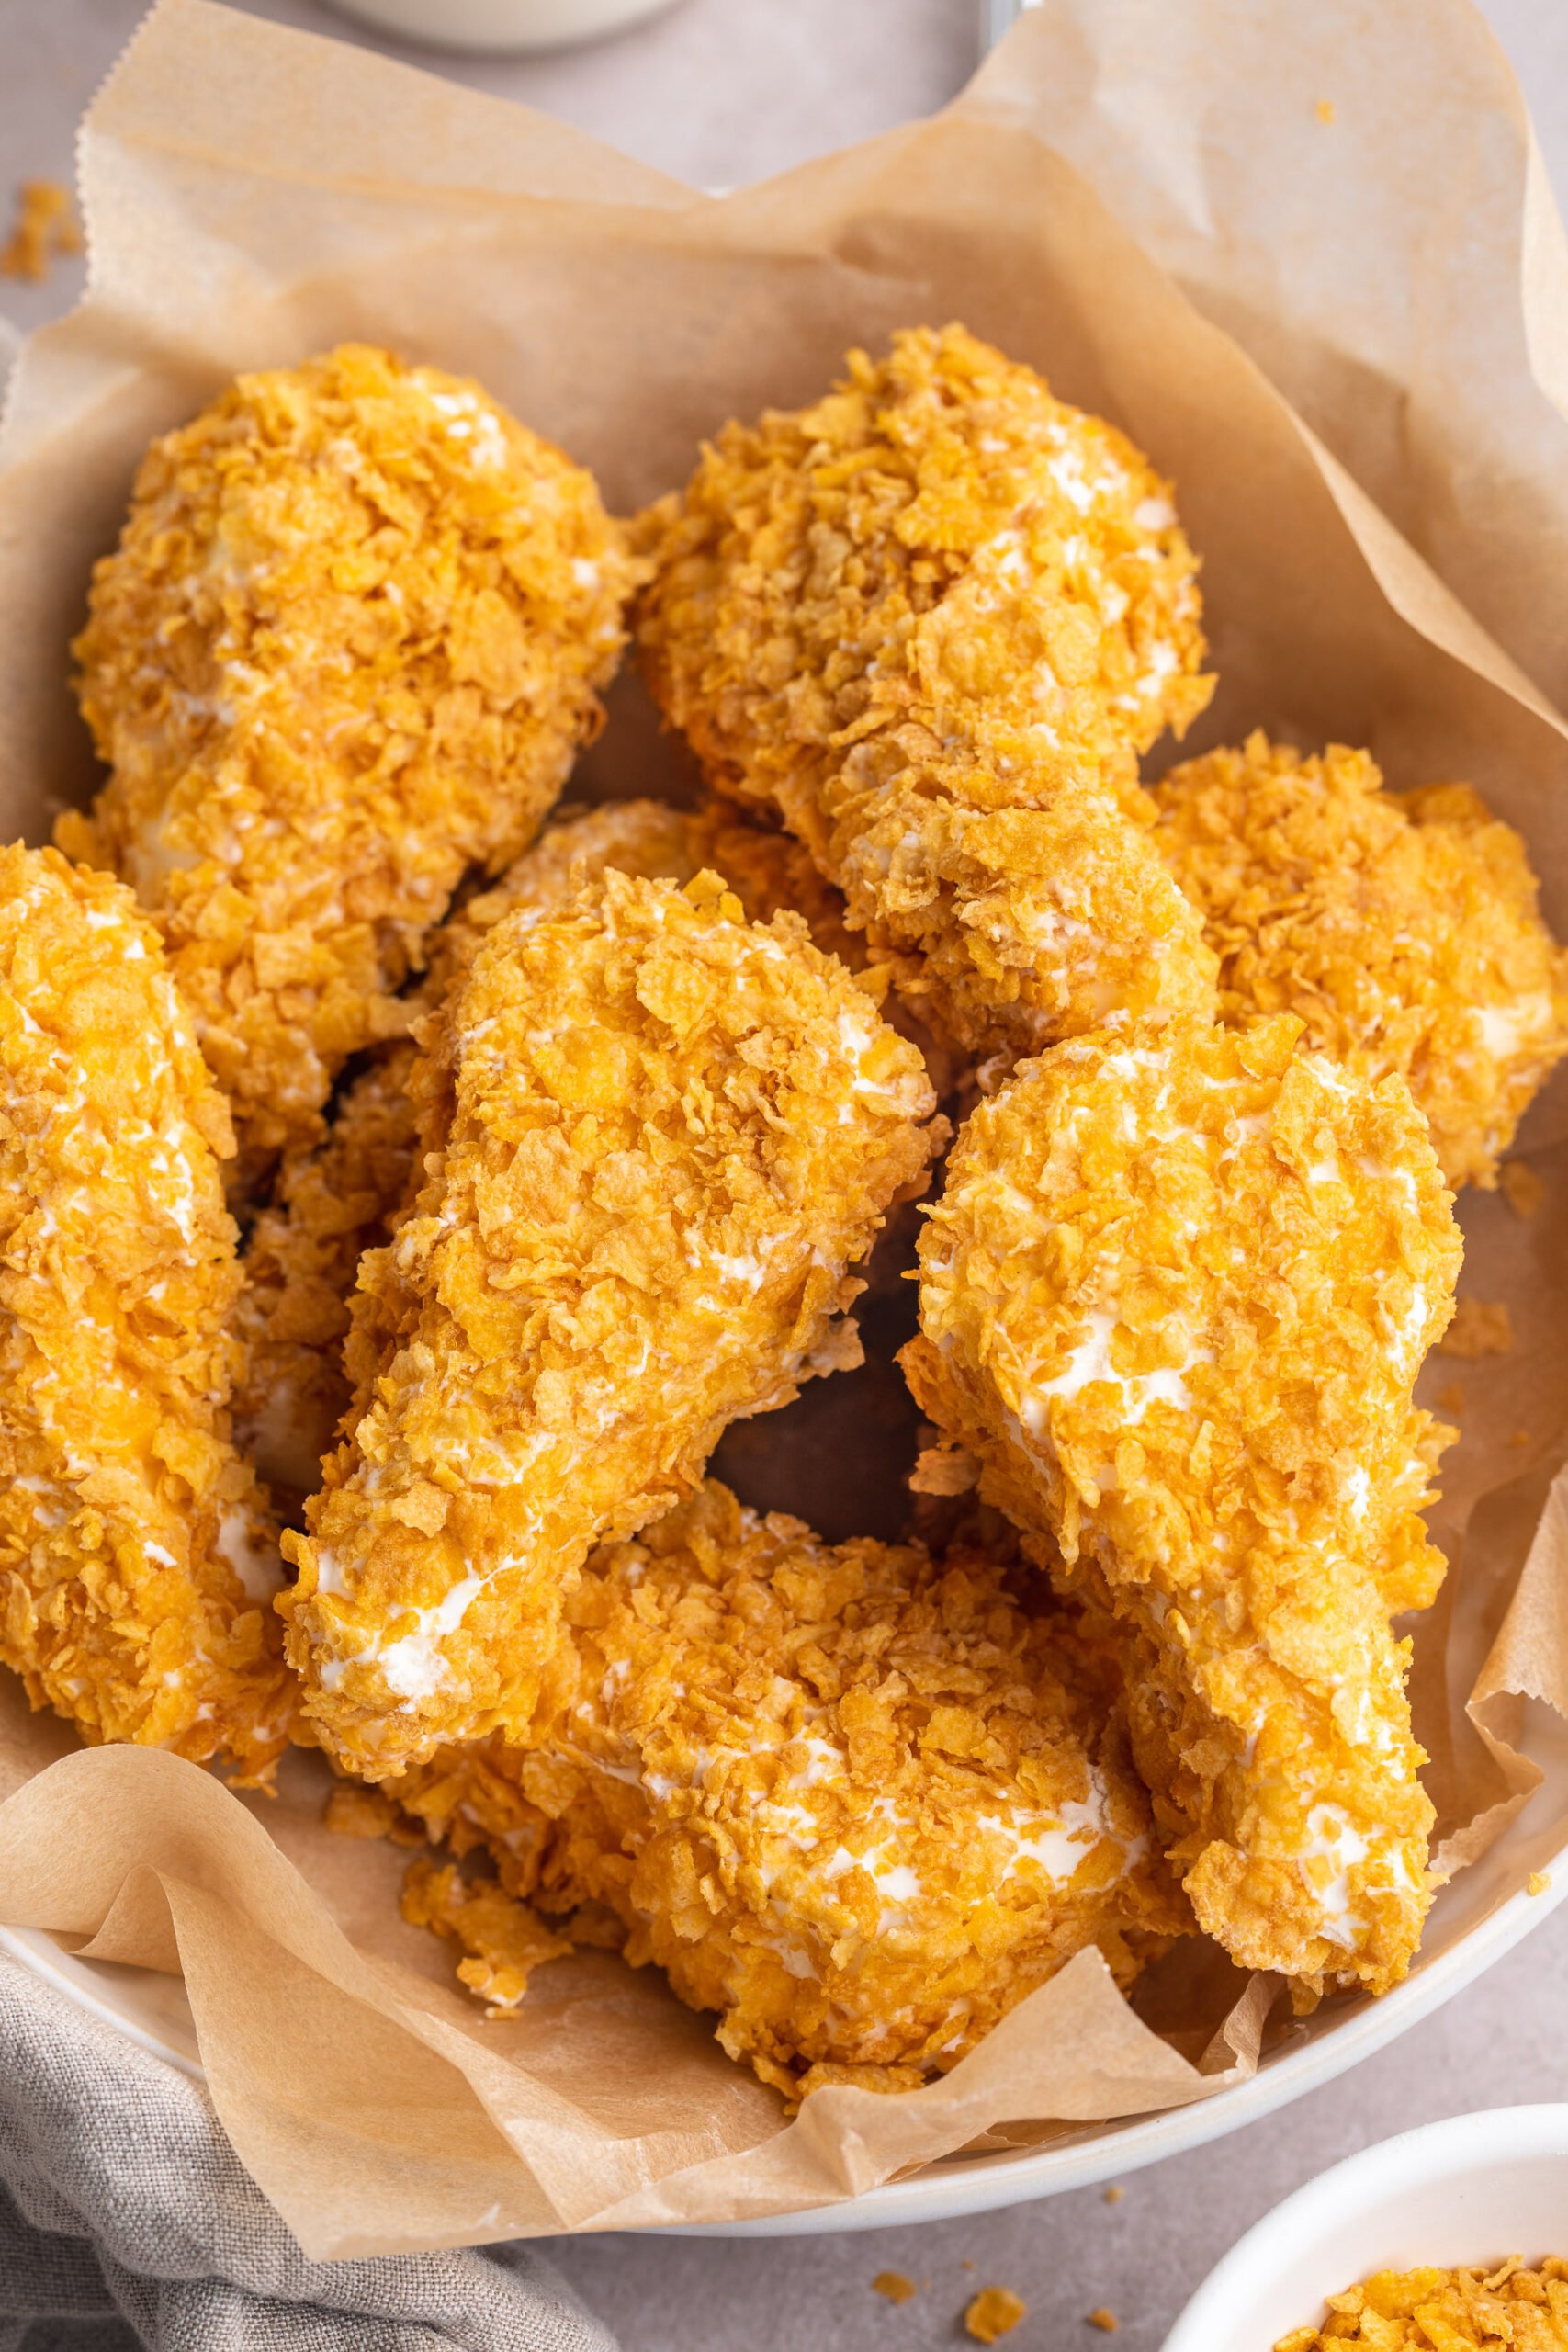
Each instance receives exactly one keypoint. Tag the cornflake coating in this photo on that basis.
(1453, 2310)
(850, 1797)
(135, 1559)
(655, 1139)
(1174, 1300)
(341, 1197)
(1400, 927)
(348, 643)
(931, 620)
(333, 1201)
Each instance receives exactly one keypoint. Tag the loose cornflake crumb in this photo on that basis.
(1451, 1399)
(894, 2286)
(1114, 2194)
(1538, 1883)
(1522, 1188)
(1481, 1328)
(1452, 2310)
(43, 229)
(356, 1812)
(1518, 1437)
(994, 2312)
(504, 1939)
(1324, 109)
(1106, 2320)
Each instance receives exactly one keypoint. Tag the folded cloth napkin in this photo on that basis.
(127, 2220)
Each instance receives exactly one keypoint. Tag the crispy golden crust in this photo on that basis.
(136, 1558)
(1174, 1300)
(931, 620)
(349, 641)
(339, 1199)
(333, 1204)
(656, 1137)
(850, 1797)
(1401, 928)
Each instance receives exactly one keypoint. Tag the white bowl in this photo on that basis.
(501, 26)
(1458, 2194)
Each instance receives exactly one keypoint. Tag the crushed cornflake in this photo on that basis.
(356, 1812)
(1106, 2320)
(1522, 1188)
(1447, 2310)
(894, 2286)
(1538, 1883)
(1324, 109)
(1481, 1328)
(504, 1939)
(44, 230)
(1114, 2194)
(1451, 1399)
(995, 2312)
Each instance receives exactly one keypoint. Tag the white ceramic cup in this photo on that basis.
(1470, 2190)
(500, 25)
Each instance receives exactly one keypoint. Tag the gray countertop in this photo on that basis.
(717, 92)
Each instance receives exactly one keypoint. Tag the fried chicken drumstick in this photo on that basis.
(340, 1198)
(932, 620)
(1402, 928)
(1173, 1301)
(350, 639)
(656, 1137)
(850, 1797)
(137, 1561)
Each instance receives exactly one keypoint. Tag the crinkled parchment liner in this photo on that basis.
(1190, 218)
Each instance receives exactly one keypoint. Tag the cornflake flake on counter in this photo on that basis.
(656, 1138)
(847, 1796)
(138, 1562)
(1447, 2310)
(1174, 1299)
(994, 2312)
(932, 620)
(1402, 928)
(349, 642)
(894, 2286)
(45, 228)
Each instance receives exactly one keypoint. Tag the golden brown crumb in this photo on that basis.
(931, 620)
(44, 228)
(1518, 1437)
(1103, 2318)
(1522, 1188)
(1538, 1883)
(1481, 1328)
(994, 2312)
(894, 2286)
(1114, 2194)
(1143, 1291)
(1324, 109)
(347, 649)
(1451, 1399)
(656, 1138)
(1447, 2311)
(818, 1784)
(1402, 929)
(138, 1562)
(503, 1941)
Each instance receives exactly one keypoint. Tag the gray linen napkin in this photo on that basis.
(127, 2220)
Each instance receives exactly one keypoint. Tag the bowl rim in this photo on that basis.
(989, 2183)
(1453, 2146)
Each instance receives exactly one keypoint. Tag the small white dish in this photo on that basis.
(1469, 2191)
(501, 26)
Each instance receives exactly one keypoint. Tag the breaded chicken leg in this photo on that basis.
(1402, 928)
(932, 620)
(1174, 1300)
(340, 1198)
(137, 1561)
(345, 650)
(656, 1137)
(850, 1797)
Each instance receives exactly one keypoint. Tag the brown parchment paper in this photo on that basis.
(1345, 341)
